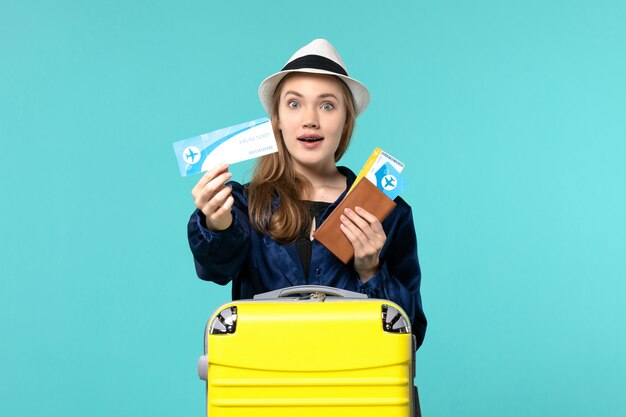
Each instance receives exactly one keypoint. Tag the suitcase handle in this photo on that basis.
(300, 289)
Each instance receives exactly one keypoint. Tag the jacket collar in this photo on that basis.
(350, 178)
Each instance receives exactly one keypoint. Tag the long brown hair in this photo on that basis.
(274, 175)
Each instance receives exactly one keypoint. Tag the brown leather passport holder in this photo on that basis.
(365, 195)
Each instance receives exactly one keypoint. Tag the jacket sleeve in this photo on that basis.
(399, 278)
(219, 256)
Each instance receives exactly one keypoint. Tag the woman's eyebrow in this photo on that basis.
(328, 95)
(295, 93)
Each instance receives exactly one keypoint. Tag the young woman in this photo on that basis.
(258, 235)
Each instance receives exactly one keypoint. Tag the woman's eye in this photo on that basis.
(327, 106)
(293, 104)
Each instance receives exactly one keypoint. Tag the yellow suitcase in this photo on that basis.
(309, 351)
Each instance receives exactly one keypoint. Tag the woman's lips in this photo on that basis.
(310, 138)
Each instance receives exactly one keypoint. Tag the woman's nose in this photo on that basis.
(311, 119)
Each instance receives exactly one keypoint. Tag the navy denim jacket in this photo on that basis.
(256, 263)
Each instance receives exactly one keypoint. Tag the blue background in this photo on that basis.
(509, 115)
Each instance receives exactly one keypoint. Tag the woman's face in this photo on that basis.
(311, 117)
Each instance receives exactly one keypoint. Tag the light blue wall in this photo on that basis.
(509, 114)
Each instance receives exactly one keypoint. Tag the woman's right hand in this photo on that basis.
(213, 198)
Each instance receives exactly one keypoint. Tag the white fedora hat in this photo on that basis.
(318, 57)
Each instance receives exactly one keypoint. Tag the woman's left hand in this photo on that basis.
(367, 236)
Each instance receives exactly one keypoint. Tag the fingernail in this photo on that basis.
(358, 209)
(347, 211)
(343, 218)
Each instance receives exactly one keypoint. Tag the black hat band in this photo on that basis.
(317, 62)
